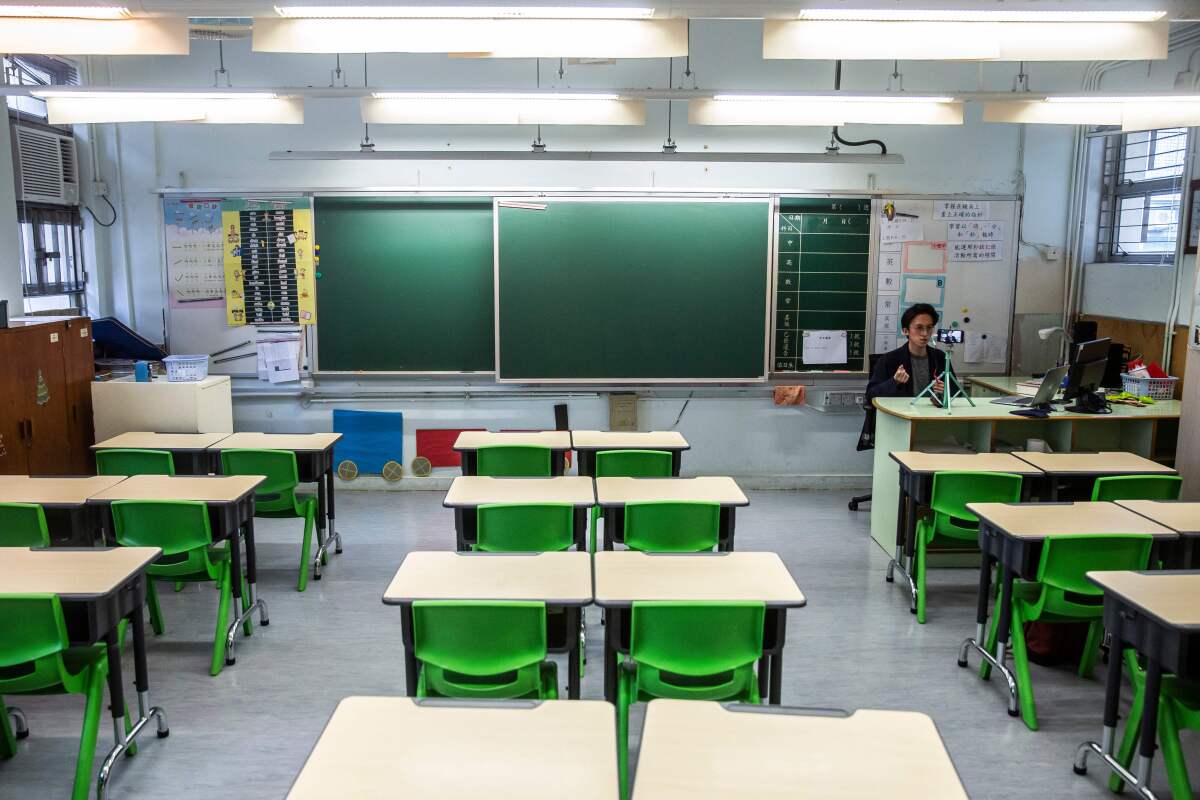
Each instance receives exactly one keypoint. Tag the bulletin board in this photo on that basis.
(960, 255)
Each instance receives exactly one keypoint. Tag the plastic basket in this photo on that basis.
(186, 368)
(1154, 388)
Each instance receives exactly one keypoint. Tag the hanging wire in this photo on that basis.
(337, 72)
(560, 69)
(1021, 81)
(220, 70)
(669, 145)
(538, 145)
(366, 143)
(687, 62)
(896, 76)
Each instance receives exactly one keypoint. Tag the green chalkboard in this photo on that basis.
(405, 284)
(822, 272)
(633, 290)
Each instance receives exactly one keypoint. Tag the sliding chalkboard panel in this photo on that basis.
(405, 284)
(822, 276)
(632, 290)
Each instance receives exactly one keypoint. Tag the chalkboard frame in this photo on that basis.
(767, 199)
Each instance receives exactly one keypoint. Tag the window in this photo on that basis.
(52, 273)
(1139, 210)
(36, 70)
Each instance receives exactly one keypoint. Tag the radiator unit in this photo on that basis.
(49, 169)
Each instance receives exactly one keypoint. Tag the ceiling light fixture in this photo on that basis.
(975, 15)
(1131, 112)
(66, 12)
(463, 12)
(825, 110)
(67, 107)
(65, 30)
(707, 156)
(501, 108)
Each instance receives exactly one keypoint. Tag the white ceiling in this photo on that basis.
(1177, 9)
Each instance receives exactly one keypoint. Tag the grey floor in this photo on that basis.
(246, 733)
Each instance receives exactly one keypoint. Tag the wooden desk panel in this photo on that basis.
(557, 578)
(1106, 463)
(375, 747)
(1173, 598)
(1039, 520)
(619, 491)
(915, 461)
(213, 489)
(54, 491)
(296, 442)
(628, 440)
(145, 440)
(694, 750)
(473, 440)
(626, 576)
(471, 491)
(83, 573)
(1180, 516)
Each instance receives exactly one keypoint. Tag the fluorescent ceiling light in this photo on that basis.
(493, 96)
(494, 38)
(463, 12)
(824, 110)
(151, 36)
(976, 41)
(1145, 98)
(1131, 113)
(707, 156)
(501, 109)
(65, 107)
(976, 15)
(73, 12)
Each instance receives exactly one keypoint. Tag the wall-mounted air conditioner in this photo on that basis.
(47, 166)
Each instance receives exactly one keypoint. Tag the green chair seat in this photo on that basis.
(688, 651)
(36, 658)
(276, 497)
(513, 461)
(131, 461)
(951, 524)
(492, 650)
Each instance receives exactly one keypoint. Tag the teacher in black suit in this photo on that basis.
(907, 370)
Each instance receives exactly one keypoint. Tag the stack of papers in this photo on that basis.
(279, 357)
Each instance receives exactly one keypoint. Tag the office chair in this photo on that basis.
(866, 438)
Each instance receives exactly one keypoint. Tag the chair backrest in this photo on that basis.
(672, 527)
(1137, 487)
(513, 461)
(277, 492)
(479, 638)
(634, 464)
(1066, 560)
(23, 525)
(33, 635)
(130, 461)
(953, 490)
(696, 637)
(179, 527)
(525, 527)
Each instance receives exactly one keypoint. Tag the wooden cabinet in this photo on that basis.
(45, 378)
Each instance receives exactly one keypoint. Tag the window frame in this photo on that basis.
(1114, 190)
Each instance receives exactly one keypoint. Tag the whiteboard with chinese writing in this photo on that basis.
(959, 254)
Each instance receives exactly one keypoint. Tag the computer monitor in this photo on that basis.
(1086, 376)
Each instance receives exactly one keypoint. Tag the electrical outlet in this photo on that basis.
(100, 188)
(1053, 253)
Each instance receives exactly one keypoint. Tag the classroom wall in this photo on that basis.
(976, 158)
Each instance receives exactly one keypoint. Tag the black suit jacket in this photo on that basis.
(882, 384)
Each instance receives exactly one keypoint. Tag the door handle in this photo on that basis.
(21, 429)
(29, 428)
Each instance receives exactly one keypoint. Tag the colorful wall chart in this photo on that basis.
(268, 262)
(195, 268)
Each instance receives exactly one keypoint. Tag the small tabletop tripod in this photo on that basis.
(951, 388)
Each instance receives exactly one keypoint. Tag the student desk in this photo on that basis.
(64, 501)
(468, 442)
(463, 750)
(1150, 432)
(314, 461)
(613, 494)
(588, 443)
(1011, 535)
(624, 577)
(916, 489)
(1180, 516)
(556, 579)
(1158, 614)
(1089, 466)
(468, 492)
(98, 587)
(697, 750)
(189, 451)
(230, 501)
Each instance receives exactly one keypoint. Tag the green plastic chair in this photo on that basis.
(688, 651)
(181, 529)
(672, 527)
(23, 525)
(1062, 593)
(525, 527)
(130, 461)
(494, 650)
(951, 524)
(513, 461)
(1137, 487)
(628, 464)
(1178, 709)
(36, 658)
(276, 497)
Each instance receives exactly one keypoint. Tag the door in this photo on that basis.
(80, 370)
(13, 452)
(42, 389)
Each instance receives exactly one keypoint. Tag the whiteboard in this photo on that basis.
(960, 255)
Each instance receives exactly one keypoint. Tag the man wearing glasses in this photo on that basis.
(908, 369)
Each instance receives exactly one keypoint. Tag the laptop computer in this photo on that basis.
(1045, 393)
